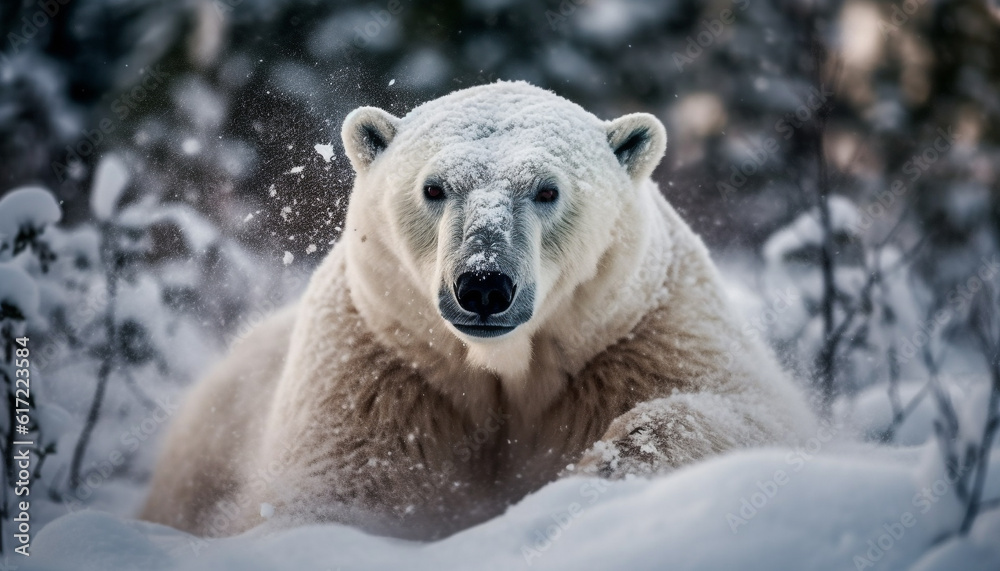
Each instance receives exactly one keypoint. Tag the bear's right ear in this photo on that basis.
(367, 132)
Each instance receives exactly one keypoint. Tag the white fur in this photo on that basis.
(628, 312)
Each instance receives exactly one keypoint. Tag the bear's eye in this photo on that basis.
(433, 192)
(546, 194)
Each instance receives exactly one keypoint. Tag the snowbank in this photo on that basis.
(847, 507)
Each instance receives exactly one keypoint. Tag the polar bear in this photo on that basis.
(512, 300)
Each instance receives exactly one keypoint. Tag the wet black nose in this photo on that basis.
(484, 293)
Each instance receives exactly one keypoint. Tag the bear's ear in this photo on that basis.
(638, 140)
(367, 132)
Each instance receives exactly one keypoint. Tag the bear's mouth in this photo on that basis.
(474, 325)
(485, 331)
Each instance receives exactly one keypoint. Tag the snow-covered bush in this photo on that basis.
(25, 441)
(122, 313)
(874, 305)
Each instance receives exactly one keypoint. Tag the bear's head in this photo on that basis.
(486, 210)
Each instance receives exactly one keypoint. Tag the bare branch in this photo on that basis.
(983, 321)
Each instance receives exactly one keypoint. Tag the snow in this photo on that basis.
(30, 206)
(746, 510)
(325, 151)
(110, 180)
(198, 232)
(612, 22)
(141, 303)
(493, 213)
(296, 170)
(827, 507)
(422, 68)
(266, 510)
(806, 231)
(18, 290)
(191, 146)
(79, 246)
(199, 102)
(871, 411)
(339, 32)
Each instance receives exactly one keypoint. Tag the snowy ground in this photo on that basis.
(831, 503)
(813, 511)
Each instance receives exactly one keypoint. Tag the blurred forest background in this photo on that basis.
(245, 88)
(813, 144)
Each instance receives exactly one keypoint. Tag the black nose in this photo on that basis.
(484, 293)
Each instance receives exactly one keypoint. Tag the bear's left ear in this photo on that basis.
(367, 132)
(638, 140)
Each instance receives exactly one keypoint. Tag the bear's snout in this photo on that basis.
(486, 304)
(484, 294)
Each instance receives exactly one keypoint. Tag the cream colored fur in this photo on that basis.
(362, 405)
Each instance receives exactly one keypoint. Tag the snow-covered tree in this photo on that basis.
(25, 214)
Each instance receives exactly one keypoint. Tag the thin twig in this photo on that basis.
(983, 321)
(110, 256)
